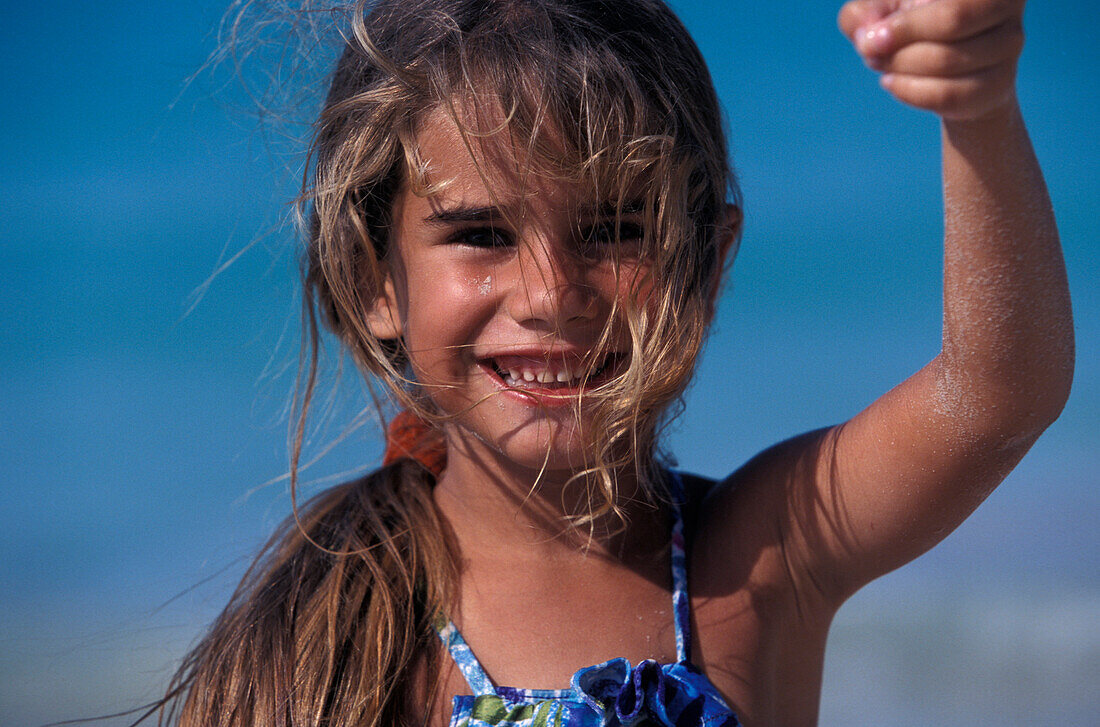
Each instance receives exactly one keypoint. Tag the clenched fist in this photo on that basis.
(956, 58)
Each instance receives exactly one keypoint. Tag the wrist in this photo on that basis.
(1004, 111)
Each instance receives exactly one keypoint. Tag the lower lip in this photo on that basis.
(552, 398)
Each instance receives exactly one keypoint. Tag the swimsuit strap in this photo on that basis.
(471, 668)
(681, 603)
(479, 681)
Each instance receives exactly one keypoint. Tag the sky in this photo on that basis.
(149, 330)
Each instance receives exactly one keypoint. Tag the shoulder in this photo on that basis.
(696, 489)
(750, 528)
(764, 489)
(760, 616)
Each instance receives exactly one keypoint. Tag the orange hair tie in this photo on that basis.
(410, 437)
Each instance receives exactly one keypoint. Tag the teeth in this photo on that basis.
(564, 375)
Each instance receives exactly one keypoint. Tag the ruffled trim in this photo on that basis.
(672, 695)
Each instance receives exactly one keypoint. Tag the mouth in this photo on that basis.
(549, 376)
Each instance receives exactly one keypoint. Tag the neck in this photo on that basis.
(494, 505)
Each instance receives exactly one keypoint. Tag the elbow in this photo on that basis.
(1050, 383)
(1050, 406)
(1032, 421)
(1012, 375)
(1006, 404)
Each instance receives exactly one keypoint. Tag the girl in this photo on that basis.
(519, 216)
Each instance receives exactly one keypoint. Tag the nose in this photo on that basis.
(549, 288)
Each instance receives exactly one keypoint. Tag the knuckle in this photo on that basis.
(954, 18)
(999, 8)
(942, 60)
(1005, 82)
(947, 98)
(1015, 39)
(853, 14)
(930, 59)
(848, 16)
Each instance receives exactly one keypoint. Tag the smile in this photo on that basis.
(546, 375)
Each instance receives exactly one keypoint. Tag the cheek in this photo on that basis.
(644, 289)
(445, 309)
(633, 287)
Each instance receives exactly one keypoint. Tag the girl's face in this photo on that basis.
(503, 301)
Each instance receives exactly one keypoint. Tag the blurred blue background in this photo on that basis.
(144, 397)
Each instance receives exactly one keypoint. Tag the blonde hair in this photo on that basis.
(611, 96)
(333, 622)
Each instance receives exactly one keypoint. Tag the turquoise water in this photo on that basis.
(145, 437)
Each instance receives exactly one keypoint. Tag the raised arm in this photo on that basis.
(918, 461)
(855, 501)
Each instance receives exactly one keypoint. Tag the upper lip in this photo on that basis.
(572, 357)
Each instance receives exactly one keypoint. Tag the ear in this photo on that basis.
(383, 318)
(729, 238)
(730, 233)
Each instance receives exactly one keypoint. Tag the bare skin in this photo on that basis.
(785, 540)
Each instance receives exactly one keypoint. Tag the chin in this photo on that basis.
(552, 442)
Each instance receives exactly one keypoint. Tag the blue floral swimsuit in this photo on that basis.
(611, 694)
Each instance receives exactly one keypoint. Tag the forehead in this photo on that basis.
(475, 155)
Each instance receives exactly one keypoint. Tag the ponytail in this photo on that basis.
(333, 623)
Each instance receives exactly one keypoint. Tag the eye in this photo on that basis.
(611, 232)
(482, 237)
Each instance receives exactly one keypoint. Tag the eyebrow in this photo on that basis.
(613, 209)
(464, 214)
(494, 214)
